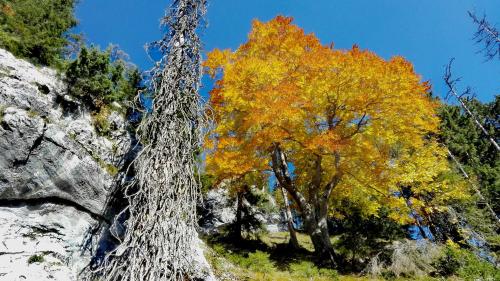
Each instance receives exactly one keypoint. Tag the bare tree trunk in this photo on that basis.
(451, 86)
(239, 217)
(293, 235)
(159, 239)
(476, 189)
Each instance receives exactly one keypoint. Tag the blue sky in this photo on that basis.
(426, 32)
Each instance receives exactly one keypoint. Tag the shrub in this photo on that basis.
(413, 258)
(417, 259)
(466, 265)
(362, 236)
(304, 269)
(98, 79)
(329, 273)
(35, 258)
(100, 120)
(36, 29)
(307, 269)
(409, 259)
(260, 262)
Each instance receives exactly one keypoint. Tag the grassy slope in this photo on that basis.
(268, 259)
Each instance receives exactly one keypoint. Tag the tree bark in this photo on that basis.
(320, 237)
(314, 214)
(293, 235)
(239, 216)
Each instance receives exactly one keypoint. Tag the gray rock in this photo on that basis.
(54, 173)
(56, 176)
(46, 153)
(217, 210)
(51, 233)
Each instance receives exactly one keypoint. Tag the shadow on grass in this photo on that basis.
(281, 254)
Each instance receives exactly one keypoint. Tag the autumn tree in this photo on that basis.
(352, 125)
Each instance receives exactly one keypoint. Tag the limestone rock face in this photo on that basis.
(56, 177)
(42, 242)
(218, 210)
(46, 151)
(56, 174)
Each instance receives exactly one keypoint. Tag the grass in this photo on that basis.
(277, 238)
(110, 168)
(268, 258)
(32, 114)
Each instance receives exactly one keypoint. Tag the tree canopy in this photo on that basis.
(471, 146)
(36, 29)
(352, 125)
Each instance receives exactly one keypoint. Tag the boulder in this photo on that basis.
(43, 242)
(217, 210)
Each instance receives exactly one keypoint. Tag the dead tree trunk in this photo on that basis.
(159, 239)
(238, 227)
(476, 189)
(451, 87)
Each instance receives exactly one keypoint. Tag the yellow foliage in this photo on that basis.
(364, 117)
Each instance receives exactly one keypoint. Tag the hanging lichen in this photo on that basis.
(160, 227)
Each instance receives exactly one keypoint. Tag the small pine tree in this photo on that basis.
(36, 29)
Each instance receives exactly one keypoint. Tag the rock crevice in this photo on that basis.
(55, 201)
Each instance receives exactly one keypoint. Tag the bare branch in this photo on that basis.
(450, 82)
(488, 35)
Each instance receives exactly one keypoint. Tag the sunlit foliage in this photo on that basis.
(352, 125)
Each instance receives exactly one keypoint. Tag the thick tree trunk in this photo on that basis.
(293, 235)
(315, 209)
(320, 237)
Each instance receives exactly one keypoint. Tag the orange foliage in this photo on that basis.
(284, 87)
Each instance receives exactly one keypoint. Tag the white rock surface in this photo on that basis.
(50, 231)
(54, 184)
(46, 151)
(53, 176)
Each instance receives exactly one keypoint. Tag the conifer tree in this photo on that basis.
(37, 29)
(161, 217)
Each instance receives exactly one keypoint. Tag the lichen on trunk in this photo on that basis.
(160, 228)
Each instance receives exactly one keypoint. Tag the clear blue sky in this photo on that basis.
(426, 32)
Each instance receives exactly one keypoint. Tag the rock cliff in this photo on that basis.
(56, 174)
